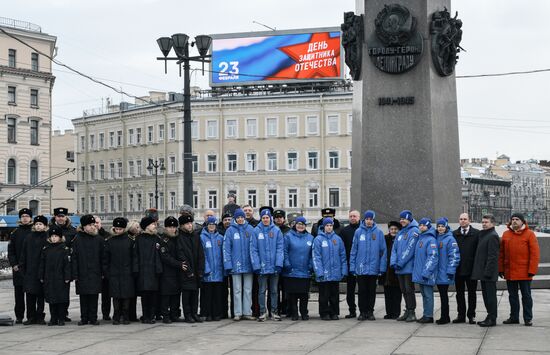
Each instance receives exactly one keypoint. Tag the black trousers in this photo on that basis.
(35, 306)
(392, 298)
(444, 297)
(292, 303)
(328, 298)
(121, 308)
(350, 293)
(255, 298)
(105, 299)
(367, 292)
(212, 299)
(526, 299)
(148, 299)
(57, 312)
(407, 289)
(190, 302)
(88, 307)
(132, 312)
(489, 293)
(282, 301)
(19, 308)
(461, 283)
(170, 306)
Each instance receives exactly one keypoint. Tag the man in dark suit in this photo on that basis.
(467, 238)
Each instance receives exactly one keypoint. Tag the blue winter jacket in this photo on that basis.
(426, 259)
(298, 255)
(449, 258)
(368, 251)
(329, 257)
(236, 248)
(402, 252)
(212, 244)
(267, 249)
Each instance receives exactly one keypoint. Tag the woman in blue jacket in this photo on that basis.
(330, 265)
(236, 261)
(449, 258)
(212, 281)
(425, 267)
(297, 268)
(367, 261)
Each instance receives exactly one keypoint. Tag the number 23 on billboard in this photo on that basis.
(224, 66)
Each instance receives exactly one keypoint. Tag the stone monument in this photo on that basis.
(405, 128)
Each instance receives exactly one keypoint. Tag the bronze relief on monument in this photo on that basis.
(446, 36)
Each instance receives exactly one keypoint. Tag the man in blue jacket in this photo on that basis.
(330, 265)
(267, 256)
(367, 261)
(449, 258)
(402, 258)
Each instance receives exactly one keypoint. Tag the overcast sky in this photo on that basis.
(115, 41)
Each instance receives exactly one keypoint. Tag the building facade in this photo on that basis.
(487, 195)
(63, 168)
(26, 83)
(290, 151)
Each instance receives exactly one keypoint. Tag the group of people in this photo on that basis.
(251, 260)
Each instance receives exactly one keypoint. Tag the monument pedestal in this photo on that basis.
(405, 127)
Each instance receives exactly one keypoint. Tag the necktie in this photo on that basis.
(463, 231)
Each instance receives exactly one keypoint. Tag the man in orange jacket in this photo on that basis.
(518, 263)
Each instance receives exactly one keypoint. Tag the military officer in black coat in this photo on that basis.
(15, 248)
(29, 263)
(55, 274)
(87, 268)
(467, 237)
(118, 259)
(326, 212)
(105, 294)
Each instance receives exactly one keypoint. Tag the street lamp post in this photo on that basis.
(180, 43)
(156, 165)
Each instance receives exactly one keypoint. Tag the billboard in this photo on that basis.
(276, 57)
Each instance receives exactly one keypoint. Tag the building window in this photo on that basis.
(130, 136)
(251, 127)
(112, 207)
(313, 160)
(131, 168)
(172, 200)
(101, 203)
(12, 130)
(34, 132)
(313, 197)
(272, 197)
(231, 129)
(312, 125)
(119, 172)
(34, 62)
(138, 135)
(195, 130)
(119, 202)
(83, 173)
(111, 170)
(350, 123)
(334, 197)
(102, 140)
(102, 171)
(92, 203)
(161, 132)
(138, 168)
(11, 94)
(161, 201)
(292, 161)
(292, 198)
(111, 139)
(251, 197)
(195, 199)
(212, 199)
(162, 166)
(139, 202)
(82, 205)
(119, 138)
(349, 159)
(12, 58)
(271, 162)
(150, 134)
(251, 162)
(34, 172)
(334, 160)
(11, 171)
(82, 143)
(33, 206)
(232, 162)
(172, 167)
(292, 126)
(212, 129)
(271, 127)
(92, 141)
(130, 202)
(172, 130)
(212, 163)
(332, 124)
(195, 162)
(34, 98)
(92, 172)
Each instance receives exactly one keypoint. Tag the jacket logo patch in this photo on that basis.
(420, 244)
(261, 236)
(334, 241)
(157, 245)
(208, 244)
(324, 244)
(270, 234)
(373, 237)
(219, 242)
(440, 245)
(362, 238)
(433, 246)
(236, 236)
(308, 243)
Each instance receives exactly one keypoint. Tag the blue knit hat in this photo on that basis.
(406, 214)
(369, 214)
(426, 221)
(301, 219)
(444, 221)
(211, 220)
(327, 220)
(265, 212)
(238, 213)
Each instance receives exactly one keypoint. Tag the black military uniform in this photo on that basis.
(347, 234)
(105, 294)
(87, 270)
(55, 272)
(15, 248)
(118, 259)
(30, 262)
(190, 251)
(326, 212)
(392, 292)
(170, 280)
(148, 266)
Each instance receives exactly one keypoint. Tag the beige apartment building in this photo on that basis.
(26, 83)
(290, 151)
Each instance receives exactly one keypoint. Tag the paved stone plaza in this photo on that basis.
(286, 337)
